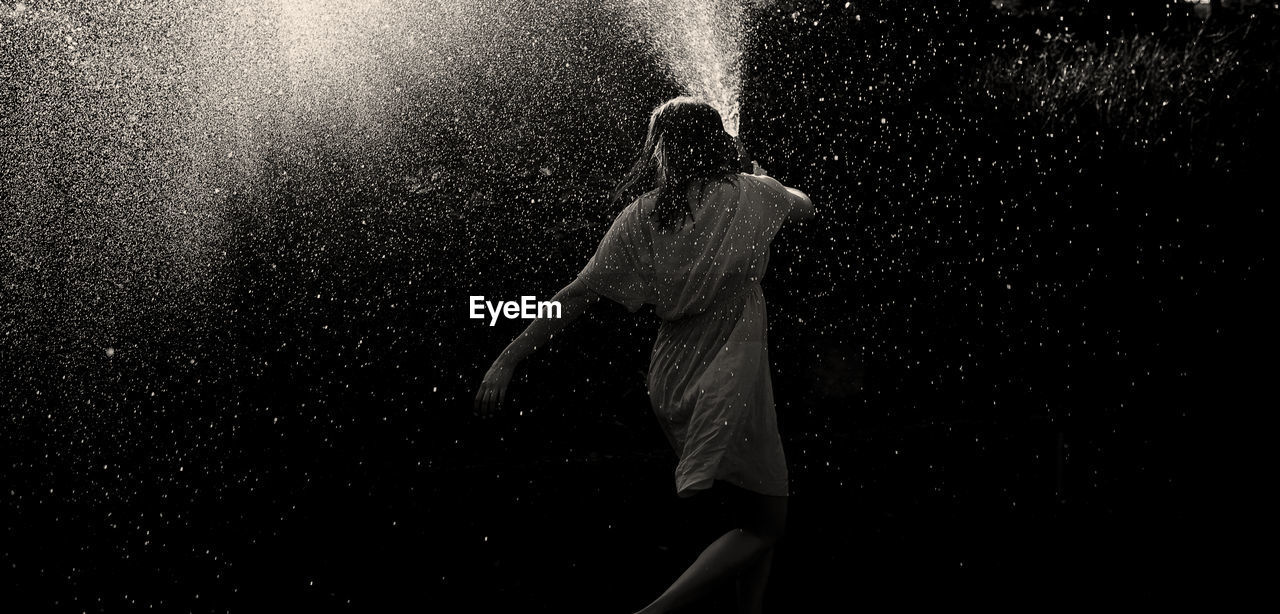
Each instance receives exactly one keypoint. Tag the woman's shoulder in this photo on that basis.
(761, 181)
(761, 187)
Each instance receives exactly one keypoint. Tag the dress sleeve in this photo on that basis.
(622, 267)
(774, 205)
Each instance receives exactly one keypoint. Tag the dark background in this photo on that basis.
(1018, 357)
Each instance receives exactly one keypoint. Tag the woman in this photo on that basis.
(696, 247)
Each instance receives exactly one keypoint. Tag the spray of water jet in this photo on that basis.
(700, 43)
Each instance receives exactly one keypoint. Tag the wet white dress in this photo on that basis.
(709, 378)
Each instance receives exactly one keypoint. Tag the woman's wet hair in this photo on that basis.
(686, 143)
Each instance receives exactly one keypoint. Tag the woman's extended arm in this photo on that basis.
(574, 299)
(801, 206)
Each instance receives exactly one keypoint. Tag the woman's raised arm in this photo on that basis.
(801, 206)
(574, 299)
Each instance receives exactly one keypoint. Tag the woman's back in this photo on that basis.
(721, 251)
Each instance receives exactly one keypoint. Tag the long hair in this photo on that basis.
(686, 143)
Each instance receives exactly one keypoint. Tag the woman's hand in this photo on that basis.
(575, 298)
(493, 390)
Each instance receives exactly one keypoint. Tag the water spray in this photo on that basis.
(700, 44)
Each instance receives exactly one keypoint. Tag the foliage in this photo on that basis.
(1143, 91)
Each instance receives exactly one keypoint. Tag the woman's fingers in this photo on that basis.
(493, 392)
(488, 401)
(497, 397)
(482, 398)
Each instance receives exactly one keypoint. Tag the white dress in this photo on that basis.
(709, 379)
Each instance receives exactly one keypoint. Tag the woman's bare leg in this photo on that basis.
(762, 520)
(751, 585)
